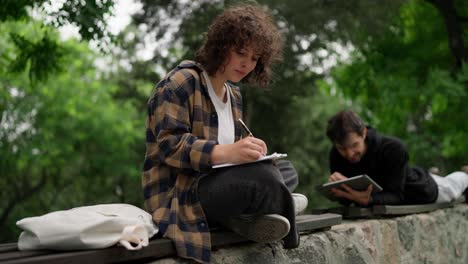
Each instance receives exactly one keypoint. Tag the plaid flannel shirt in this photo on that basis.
(181, 131)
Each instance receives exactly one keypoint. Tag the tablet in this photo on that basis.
(358, 183)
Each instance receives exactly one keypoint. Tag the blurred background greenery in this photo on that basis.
(72, 112)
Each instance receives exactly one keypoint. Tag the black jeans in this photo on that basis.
(257, 188)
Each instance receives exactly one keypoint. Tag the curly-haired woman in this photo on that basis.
(193, 124)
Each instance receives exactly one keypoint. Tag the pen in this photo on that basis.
(245, 127)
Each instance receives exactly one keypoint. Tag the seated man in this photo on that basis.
(358, 149)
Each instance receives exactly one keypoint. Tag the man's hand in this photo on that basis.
(359, 197)
(336, 176)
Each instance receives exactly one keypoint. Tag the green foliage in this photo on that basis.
(32, 48)
(65, 142)
(135, 83)
(305, 143)
(39, 52)
(90, 16)
(17, 9)
(42, 58)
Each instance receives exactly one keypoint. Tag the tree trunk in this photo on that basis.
(454, 29)
(21, 195)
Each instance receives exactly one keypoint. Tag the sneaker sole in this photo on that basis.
(266, 229)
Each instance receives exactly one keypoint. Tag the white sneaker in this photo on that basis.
(300, 203)
(434, 170)
(262, 229)
(465, 169)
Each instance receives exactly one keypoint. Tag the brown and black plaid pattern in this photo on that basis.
(181, 131)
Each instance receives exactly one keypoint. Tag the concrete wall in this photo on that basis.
(436, 237)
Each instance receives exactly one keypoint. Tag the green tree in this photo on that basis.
(41, 56)
(64, 142)
(454, 14)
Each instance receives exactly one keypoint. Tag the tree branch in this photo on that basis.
(462, 19)
(454, 29)
(21, 196)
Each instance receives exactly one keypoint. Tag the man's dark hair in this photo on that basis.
(342, 124)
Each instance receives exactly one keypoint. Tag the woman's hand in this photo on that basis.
(244, 150)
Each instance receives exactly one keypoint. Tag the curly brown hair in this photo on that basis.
(245, 25)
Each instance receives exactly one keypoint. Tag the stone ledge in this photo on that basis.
(440, 236)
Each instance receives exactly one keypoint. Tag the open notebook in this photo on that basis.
(272, 156)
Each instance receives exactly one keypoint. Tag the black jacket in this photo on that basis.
(386, 162)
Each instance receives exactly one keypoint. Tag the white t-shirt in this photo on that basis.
(224, 111)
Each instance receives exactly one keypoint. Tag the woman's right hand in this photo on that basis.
(245, 150)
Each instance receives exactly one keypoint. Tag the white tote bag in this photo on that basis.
(88, 227)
